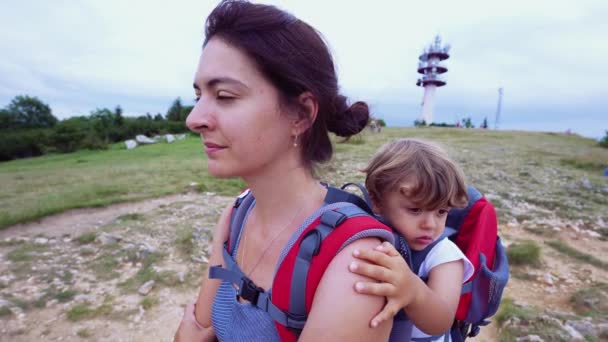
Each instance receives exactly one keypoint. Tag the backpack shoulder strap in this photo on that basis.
(456, 216)
(299, 274)
(240, 208)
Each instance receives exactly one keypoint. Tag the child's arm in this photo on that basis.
(431, 308)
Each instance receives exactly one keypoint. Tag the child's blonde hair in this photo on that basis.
(420, 170)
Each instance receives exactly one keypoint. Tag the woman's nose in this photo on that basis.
(200, 118)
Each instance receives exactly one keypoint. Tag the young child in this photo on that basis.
(412, 185)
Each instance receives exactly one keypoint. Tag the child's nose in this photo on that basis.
(428, 221)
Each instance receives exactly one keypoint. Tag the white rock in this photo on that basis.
(81, 298)
(180, 136)
(130, 144)
(107, 239)
(548, 279)
(574, 334)
(146, 288)
(181, 277)
(41, 241)
(142, 139)
(530, 338)
(169, 138)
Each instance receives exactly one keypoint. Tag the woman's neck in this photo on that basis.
(285, 192)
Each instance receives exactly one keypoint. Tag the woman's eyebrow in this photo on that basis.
(219, 80)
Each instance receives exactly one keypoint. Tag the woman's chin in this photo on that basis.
(220, 172)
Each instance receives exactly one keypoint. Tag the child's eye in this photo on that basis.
(415, 210)
(443, 211)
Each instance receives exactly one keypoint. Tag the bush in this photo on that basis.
(419, 123)
(524, 253)
(67, 137)
(23, 143)
(604, 141)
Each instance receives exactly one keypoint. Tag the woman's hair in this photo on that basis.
(418, 169)
(292, 55)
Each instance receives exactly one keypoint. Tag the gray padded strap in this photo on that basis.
(277, 314)
(231, 273)
(309, 247)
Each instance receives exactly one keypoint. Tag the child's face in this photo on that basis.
(420, 227)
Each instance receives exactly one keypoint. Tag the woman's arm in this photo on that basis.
(340, 314)
(196, 323)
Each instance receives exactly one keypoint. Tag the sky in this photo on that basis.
(551, 57)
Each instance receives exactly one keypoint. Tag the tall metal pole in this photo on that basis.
(498, 108)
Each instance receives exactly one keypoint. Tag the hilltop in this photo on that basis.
(123, 267)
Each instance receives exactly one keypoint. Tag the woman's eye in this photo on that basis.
(223, 96)
(197, 98)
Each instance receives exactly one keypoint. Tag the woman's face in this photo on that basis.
(237, 113)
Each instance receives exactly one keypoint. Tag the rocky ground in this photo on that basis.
(124, 273)
(121, 273)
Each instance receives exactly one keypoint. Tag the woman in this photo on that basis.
(267, 95)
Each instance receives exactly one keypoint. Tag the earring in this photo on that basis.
(295, 141)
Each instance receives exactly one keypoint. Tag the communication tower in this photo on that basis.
(431, 68)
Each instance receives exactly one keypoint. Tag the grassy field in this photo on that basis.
(549, 172)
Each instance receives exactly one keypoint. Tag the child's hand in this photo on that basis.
(393, 276)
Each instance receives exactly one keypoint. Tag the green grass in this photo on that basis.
(529, 323)
(524, 253)
(65, 296)
(84, 333)
(84, 311)
(184, 240)
(80, 311)
(591, 301)
(25, 252)
(148, 302)
(36, 187)
(147, 273)
(86, 238)
(4, 311)
(563, 248)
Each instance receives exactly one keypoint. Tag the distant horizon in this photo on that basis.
(393, 115)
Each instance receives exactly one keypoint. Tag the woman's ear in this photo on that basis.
(310, 108)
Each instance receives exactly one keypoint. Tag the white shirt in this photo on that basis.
(443, 252)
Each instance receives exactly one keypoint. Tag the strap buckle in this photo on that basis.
(249, 291)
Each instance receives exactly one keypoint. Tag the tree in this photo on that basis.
(30, 112)
(467, 123)
(484, 125)
(118, 118)
(175, 111)
(7, 120)
(381, 123)
(102, 120)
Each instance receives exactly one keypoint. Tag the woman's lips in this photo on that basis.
(212, 148)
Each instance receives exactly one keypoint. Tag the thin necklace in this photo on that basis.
(267, 248)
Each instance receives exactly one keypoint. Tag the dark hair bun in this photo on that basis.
(348, 121)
